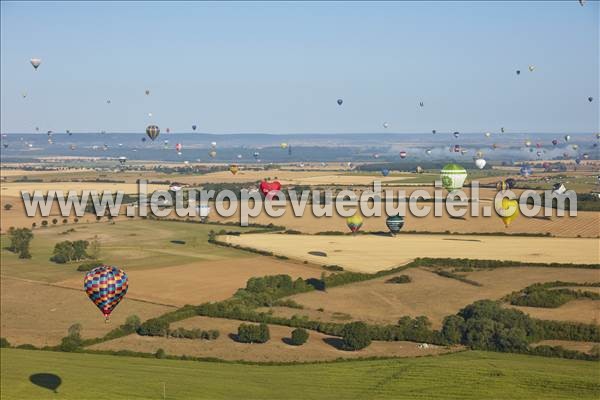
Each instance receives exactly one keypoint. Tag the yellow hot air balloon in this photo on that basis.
(283, 145)
(233, 168)
(354, 222)
(510, 209)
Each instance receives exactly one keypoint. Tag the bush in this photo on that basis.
(356, 336)
(44, 223)
(90, 265)
(154, 327)
(160, 353)
(67, 251)
(26, 346)
(399, 279)
(132, 323)
(334, 268)
(249, 333)
(299, 336)
(54, 221)
(7, 206)
(4, 342)
(19, 241)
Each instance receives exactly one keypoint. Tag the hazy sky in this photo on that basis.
(280, 67)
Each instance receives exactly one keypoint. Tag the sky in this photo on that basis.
(275, 67)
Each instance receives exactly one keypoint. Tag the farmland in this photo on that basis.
(467, 375)
(371, 253)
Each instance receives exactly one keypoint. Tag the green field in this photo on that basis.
(467, 375)
(129, 244)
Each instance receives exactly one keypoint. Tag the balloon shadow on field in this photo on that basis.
(45, 380)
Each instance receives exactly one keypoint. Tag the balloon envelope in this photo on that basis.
(394, 223)
(453, 176)
(152, 131)
(354, 222)
(35, 62)
(480, 163)
(106, 286)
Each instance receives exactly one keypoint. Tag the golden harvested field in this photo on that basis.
(200, 282)
(372, 253)
(15, 188)
(432, 295)
(581, 310)
(319, 347)
(40, 314)
(22, 172)
(567, 344)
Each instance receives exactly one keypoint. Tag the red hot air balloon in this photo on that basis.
(178, 147)
(269, 189)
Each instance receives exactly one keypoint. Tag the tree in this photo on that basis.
(132, 322)
(19, 241)
(299, 336)
(249, 333)
(95, 248)
(154, 327)
(33, 225)
(4, 343)
(453, 328)
(7, 206)
(160, 353)
(64, 221)
(44, 223)
(356, 335)
(54, 221)
(73, 340)
(67, 251)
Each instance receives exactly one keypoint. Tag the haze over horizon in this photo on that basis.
(279, 68)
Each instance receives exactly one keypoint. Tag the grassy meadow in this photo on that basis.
(466, 375)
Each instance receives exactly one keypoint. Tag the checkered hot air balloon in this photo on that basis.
(106, 286)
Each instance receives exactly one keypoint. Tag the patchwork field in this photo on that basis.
(40, 314)
(436, 297)
(465, 375)
(371, 253)
(319, 347)
(584, 310)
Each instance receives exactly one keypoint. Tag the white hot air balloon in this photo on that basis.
(480, 163)
(35, 62)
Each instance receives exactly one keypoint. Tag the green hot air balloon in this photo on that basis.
(152, 131)
(394, 223)
(453, 177)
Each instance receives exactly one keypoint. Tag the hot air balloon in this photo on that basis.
(122, 159)
(395, 223)
(386, 125)
(559, 188)
(72, 147)
(590, 99)
(518, 72)
(35, 62)
(385, 171)
(152, 131)
(421, 104)
(375, 156)
(239, 156)
(456, 134)
(525, 171)
(480, 163)
(502, 129)
(585, 156)
(194, 127)
(575, 147)
(354, 223)
(256, 155)
(554, 142)
(148, 92)
(269, 189)
(428, 152)
(340, 102)
(456, 148)
(433, 131)
(24, 94)
(527, 143)
(143, 139)
(419, 169)
(105, 286)
(567, 138)
(69, 133)
(508, 210)
(5, 145)
(212, 154)
(403, 154)
(108, 101)
(213, 144)
(149, 115)
(453, 177)
(488, 134)
(578, 161)
(283, 145)
(233, 168)
(168, 130)
(178, 147)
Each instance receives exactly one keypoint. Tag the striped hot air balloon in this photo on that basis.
(395, 223)
(106, 286)
(152, 131)
(354, 222)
